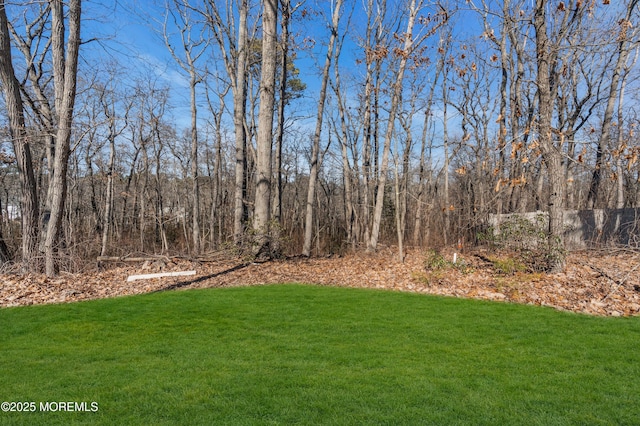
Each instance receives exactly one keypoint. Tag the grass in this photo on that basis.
(295, 354)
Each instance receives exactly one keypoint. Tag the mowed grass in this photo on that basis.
(296, 354)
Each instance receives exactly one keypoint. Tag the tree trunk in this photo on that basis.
(417, 220)
(21, 147)
(315, 150)
(284, 63)
(239, 109)
(65, 67)
(262, 212)
(127, 188)
(372, 63)
(423, 169)
(502, 130)
(552, 154)
(5, 256)
(445, 137)
(38, 102)
(400, 213)
(347, 172)
(143, 198)
(161, 231)
(108, 203)
(603, 142)
(217, 208)
(395, 101)
(518, 195)
(193, 49)
(195, 188)
(620, 199)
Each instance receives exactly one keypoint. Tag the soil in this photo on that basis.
(604, 282)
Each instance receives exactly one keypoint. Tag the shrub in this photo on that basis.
(508, 265)
(435, 261)
(528, 239)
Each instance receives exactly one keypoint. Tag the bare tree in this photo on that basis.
(193, 47)
(239, 87)
(21, 145)
(344, 137)
(117, 122)
(35, 47)
(233, 42)
(445, 41)
(5, 256)
(65, 68)
(622, 53)
(217, 206)
(262, 211)
(621, 142)
(547, 75)
(409, 44)
(315, 149)
(535, 90)
(284, 95)
(375, 52)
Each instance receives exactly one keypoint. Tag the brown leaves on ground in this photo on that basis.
(598, 283)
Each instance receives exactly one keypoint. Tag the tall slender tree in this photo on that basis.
(404, 53)
(547, 75)
(622, 52)
(262, 211)
(21, 145)
(315, 148)
(233, 42)
(65, 70)
(194, 43)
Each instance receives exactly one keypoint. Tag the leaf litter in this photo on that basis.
(603, 283)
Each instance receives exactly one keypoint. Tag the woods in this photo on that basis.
(276, 128)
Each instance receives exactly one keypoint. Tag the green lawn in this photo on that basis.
(294, 354)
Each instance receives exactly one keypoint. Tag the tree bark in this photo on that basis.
(445, 167)
(262, 212)
(65, 67)
(620, 198)
(315, 150)
(347, 172)
(551, 154)
(239, 110)
(195, 186)
(108, 203)
(21, 147)
(395, 101)
(35, 96)
(502, 131)
(5, 256)
(373, 58)
(193, 50)
(284, 64)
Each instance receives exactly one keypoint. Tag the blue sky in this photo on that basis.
(131, 31)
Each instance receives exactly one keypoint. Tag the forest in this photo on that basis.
(277, 128)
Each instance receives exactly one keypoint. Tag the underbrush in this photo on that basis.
(526, 240)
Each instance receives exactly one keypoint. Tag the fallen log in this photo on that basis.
(160, 275)
(130, 259)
